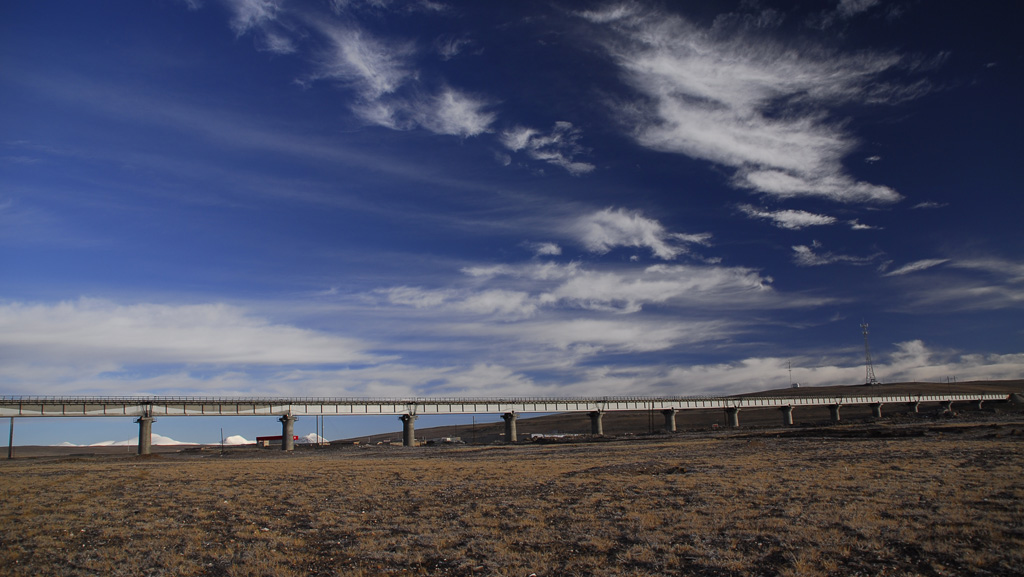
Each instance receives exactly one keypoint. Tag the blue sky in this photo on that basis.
(383, 198)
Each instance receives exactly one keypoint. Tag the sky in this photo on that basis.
(375, 198)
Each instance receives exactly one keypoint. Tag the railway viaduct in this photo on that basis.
(146, 409)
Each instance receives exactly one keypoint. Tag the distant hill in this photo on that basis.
(964, 387)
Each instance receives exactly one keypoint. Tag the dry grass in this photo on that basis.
(950, 502)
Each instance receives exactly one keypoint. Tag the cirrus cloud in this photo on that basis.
(740, 100)
(606, 229)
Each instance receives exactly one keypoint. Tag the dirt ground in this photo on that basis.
(928, 497)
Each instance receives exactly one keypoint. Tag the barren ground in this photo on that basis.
(929, 497)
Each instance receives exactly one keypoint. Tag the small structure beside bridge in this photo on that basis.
(147, 409)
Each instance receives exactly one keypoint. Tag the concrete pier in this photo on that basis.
(947, 407)
(915, 407)
(732, 416)
(510, 427)
(976, 405)
(670, 420)
(596, 426)
(408, 430)
(287, 433)
(145, 434)
(876, 410)
(834, 413)
(787, 415)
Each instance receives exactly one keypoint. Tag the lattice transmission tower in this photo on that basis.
(869, 378)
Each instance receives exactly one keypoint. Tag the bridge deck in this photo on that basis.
(213, 406)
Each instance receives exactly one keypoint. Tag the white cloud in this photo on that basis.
(250, 14)
(534, 271)
(390, 93)
(606, 229)
(849, 8)
(261, 18)
(503, 304)
(915, 361)
(930, 204)
(590, 336)
(805, 256)
(102, 333)
(911, 361)
(454, 113)
(790, 219)
(855, 224)
(544, 248)
(629, 291)
(277, 43)
(559, 147)
(372, 66)
(449, 47)
(1012, 271)
(739, 100)
(917, 266)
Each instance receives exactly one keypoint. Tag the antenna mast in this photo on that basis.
(869, 378)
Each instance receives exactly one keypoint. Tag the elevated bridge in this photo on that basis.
(146, 408)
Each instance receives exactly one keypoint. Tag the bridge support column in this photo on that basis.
(834, 412)
(876, 410)
(787, 415)
(145, 434)
(947, 407)
(510, 427)
(408, 430)
(977, 405)
(670, 420)
(732, 416)
(915, 407)
(596, 426)
(287, 433)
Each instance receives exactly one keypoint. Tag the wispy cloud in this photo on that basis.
(389, 89)
(739, 100)
(453, 112)
(930, 204)
(97, 331)
(963, 284)
(261, 18)
(791, 219)
(610, 228)
(522, 291)
(629, 291)
(917, 266)
(806, 256)
(542, 248)
(559, 147)
(856, 224)
(1012, 271)
(909, 361)
(851, 7)
(449, 47)
(492, 303)
(371, 66)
